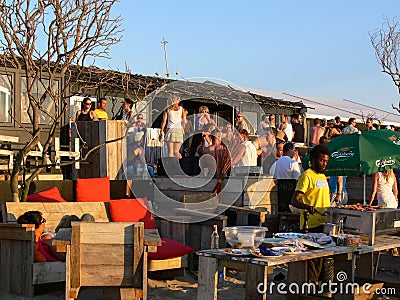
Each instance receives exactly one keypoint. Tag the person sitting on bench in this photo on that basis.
(43, 248)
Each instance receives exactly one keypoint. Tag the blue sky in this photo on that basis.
(311, 48)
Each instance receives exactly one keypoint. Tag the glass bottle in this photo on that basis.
(215, 246)
(215, 238)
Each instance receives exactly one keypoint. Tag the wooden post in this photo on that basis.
(256, 274)
(208, 278)
(76, 150)
(297, 273)
(345, 264)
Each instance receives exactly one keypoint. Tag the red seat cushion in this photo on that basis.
(93, 189)
(170, 249)
(51, 195)
(132, 210)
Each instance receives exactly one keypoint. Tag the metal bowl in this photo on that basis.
(331, 229)
(244, 236)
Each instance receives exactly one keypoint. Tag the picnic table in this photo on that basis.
(63, 238)
(257, 269)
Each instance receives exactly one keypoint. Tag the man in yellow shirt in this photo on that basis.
(312, 189)
(311, 194)
(100, 111)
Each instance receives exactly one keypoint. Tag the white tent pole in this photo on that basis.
(364, 190)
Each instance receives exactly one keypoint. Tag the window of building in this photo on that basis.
(5, 98)
(48, 106)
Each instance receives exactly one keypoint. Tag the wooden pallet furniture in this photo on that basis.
(16, 243)
(257, 271)
(107, 255)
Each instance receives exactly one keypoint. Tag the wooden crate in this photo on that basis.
(247, 191)
(261, 193)
(106, 160)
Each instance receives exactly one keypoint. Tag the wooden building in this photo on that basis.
(222, 100)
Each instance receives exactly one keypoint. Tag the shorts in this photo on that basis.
(174, 135)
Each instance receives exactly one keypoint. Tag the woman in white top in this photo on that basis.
(385, 188)
(246, 152)
(172, 117)
(203, 118)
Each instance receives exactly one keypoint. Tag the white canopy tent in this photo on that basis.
(329, 108)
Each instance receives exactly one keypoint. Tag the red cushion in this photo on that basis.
(132, 210)
(93, 189)
(170, 249)
(51, 195)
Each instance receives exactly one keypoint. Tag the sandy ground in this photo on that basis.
(232, 288)
(179, 288)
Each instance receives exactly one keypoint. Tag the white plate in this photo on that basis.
(290, 235)
(287, 250)
(309, 243)
(237, 252)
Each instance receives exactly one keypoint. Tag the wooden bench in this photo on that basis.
(17, 241)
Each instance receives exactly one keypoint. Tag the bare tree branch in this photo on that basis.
(53, 42)
(386, 42)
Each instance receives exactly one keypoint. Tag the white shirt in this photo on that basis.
(175, 118)
(285, 168)
(250, 156)
(289, 131)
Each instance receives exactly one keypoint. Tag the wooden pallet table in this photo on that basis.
(257, 270)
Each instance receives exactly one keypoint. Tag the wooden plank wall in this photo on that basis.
(115, 129)
(16, 254)
(355, 186)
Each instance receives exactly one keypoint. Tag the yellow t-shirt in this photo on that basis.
(316, 193)
(102, 115)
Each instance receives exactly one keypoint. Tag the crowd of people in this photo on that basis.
(226, 148)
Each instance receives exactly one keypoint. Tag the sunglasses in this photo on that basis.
(43, 220)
